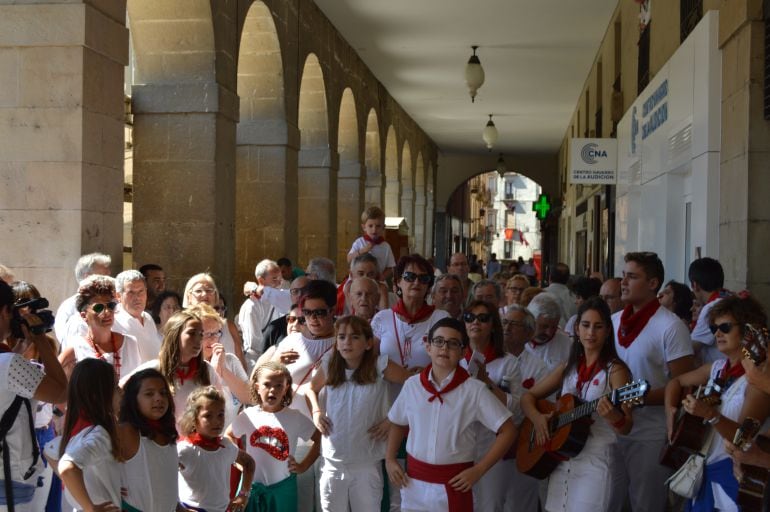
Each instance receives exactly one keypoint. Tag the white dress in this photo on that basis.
(583, 483)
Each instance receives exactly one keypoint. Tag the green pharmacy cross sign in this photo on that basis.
(542, 206)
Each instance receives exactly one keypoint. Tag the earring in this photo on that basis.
(399, 292)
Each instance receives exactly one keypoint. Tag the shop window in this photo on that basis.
(643, 68)
(690, 13)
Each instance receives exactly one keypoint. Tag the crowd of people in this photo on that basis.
(400, 387)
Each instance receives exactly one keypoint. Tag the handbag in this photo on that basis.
(686, 481)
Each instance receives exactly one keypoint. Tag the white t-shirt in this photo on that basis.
(702, 334)
(665, 338)
(91, 451)
(19, 377)
(531, 370)
(204, 476)
(130, 359)
(149, 478)
(145, 332)
(444, 433)
(271, 438)
(302, 370)
(404, 343)
(253, 316)
(554, 352)
(66, 309)
(381, 251)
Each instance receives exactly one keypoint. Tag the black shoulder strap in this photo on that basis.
(9, 416)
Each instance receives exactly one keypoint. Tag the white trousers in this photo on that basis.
(419, 496)
(351, 487)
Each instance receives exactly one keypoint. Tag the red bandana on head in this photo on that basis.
(421, 314)
(189, 374)
(631, 324)
(207, 443)
(458, 378)
(373, 241)
(490, 354)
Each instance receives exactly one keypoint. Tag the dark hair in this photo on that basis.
(451, 323)
(496, 338)
(129, 406)
(745, 310)
(91, 287)
(6, 295)
(366, 257)
(650, 263)
(90, 391)
(416, 260)
(683, 300)
(23, 291)
(366, 373)
(160, 299)
(608, 354)
(283, 262)
(707, 273)
(319, 289)
(148, 268)
(559, 273)
(586, 287)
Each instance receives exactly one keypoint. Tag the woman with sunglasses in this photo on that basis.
(201, 289)
(727, 321)
(486, 359)
(96, 303)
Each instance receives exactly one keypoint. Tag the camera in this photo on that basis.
(37, 308)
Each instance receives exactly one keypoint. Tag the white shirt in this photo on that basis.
(66, 309)
(702, 334)
(566, 300)
(145, 332)
(531, 369)
(444, 433)
(302, 370)
(554, 352)
(130, 359)
(271, 438)
(503, 371)
(253, 316)
(404, 343)
(381, 251)
(279, 298)
(74, 328)
(149, 478)
(204, 476)
(91, 451)
(19, 377)
(353, 409)
(665, 338)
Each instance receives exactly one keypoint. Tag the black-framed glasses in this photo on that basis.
(99, 307)
(481, 317)
(301, 320)
(451, 343)
(316, 313)
(725, 327)
(411, 277)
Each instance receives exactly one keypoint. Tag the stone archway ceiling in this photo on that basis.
(535, 53)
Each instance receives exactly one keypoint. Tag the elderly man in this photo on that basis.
(364, 265)
(447, 294)
(323, 269)
(256, 313)
(364, 297)
(489, 291)
(610, 293)
(458, 265)
(549, 343)
(130, 316)
(94, 263)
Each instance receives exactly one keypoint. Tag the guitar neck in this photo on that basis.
(581, 411)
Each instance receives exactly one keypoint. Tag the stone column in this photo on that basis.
(419, 221)
(184, 179)
(317, 198)
(350, 205)
(443, 242)
(744, 209)
(407, 211)
(61, 137)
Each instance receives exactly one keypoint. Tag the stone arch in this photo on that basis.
(419, 205)
(392, 182)
(372, 159)
(407, 190)
(266, 211)
(317, 186)
(349, 183)
(184, 132)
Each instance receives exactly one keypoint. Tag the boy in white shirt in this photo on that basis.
(373, 242)
(440, 407)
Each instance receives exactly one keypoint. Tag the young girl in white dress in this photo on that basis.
(593, 369)
(352, 416)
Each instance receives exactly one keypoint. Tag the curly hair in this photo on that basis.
(94, 286)
(745, 310)
(276, 367)
(196, 400)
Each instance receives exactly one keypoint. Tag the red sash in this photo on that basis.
(421, 314)
(460, 376)
(631, 324)
(442, 474)
(373, 241)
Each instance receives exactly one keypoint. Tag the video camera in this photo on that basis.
(37, 308)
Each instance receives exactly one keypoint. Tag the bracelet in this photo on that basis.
(316, 411)
(243, 494)
(620, 423)
(714, 420)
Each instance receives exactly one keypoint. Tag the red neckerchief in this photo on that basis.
(731, 373)
(189, 374)
(490, 354)
(4, 348)
(100, 353)
(83, 423)
(421, 314)
(631, 324)
(207, 443)
(535, 344)
(718, 294)
(155, 425)
(586, 373)
(341, 297)
(458, 378)
(373, 241)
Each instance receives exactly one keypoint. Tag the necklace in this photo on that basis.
(100, 354)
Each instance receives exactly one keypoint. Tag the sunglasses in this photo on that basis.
(411, 277)
(481, 317)
(98, 307)
(453, 344)
(301, 320)
(725, 327)
(291, 318)
(315, 313)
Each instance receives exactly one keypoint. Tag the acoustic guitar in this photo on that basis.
(568, 429)
(752, 485)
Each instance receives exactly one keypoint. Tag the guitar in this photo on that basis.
(752, 485)
(754, 344)
(568, 430)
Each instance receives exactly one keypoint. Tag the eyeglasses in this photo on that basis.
(315, 313)
(513, 323)
(98, 307)
(212, 334)
(451, 343)
(411, 277)
(481, 317)
(296, 291)
(291, 318)
(301, 320)
(515, 289)
(202, 291)
(725, 327)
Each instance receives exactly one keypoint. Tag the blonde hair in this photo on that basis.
(170, 353)
(197, 399)
(203, 277)
(276, 367)
(206, 312)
